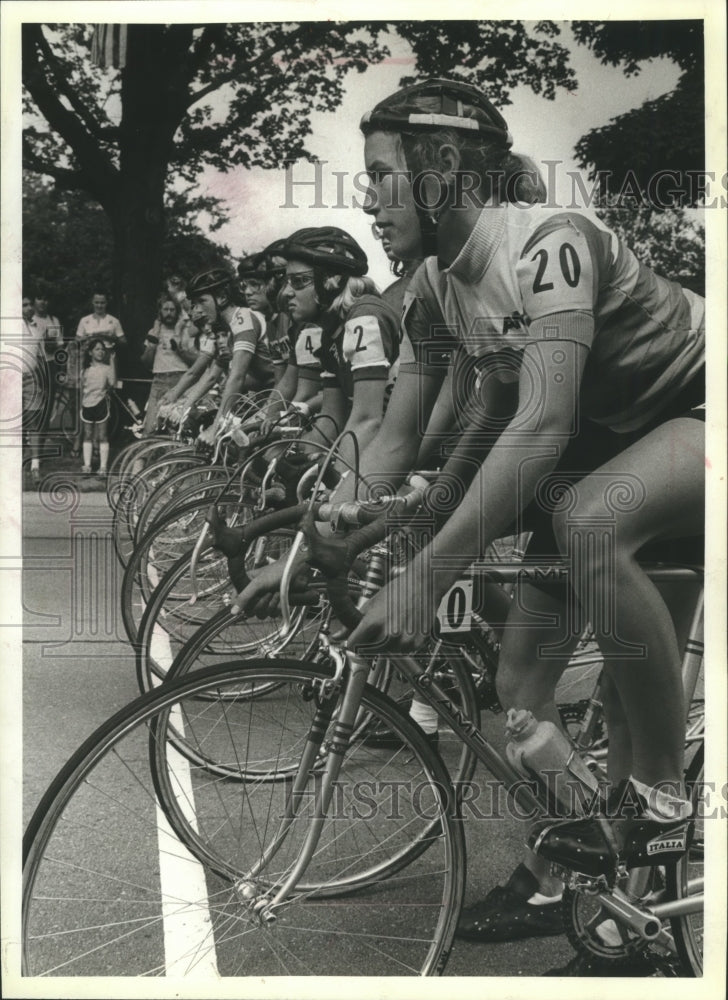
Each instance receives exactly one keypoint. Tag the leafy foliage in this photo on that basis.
(226, 95)
(68, 245)
(671, 242)
(266, 79)
(667, 133)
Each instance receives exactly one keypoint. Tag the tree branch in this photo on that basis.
(102, 132)
(70, 179)
(234, 73)
(95, 163)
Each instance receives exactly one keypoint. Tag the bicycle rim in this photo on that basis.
(685, 877)
(100, 898)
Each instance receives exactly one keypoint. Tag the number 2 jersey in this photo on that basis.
(364, 346)
(645, 334)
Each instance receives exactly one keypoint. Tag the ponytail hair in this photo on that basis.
(353, 288)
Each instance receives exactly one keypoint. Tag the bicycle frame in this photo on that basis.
(352, 672)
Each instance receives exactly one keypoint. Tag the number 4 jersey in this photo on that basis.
(645, 334)
(362, 347)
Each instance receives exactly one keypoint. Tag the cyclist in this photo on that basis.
(238, 350)
(261, 278)
(607, 358)
(348, 336)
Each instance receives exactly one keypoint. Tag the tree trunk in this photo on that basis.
(138, 217)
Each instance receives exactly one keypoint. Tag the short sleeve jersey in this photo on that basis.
(364, 347)
(96, 381)
(244, 332)
(278, 332)
(106, 326)
(522, 264)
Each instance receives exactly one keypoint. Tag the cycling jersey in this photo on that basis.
(645, 334)
(364, 346)
(278, 333)
(242, 332)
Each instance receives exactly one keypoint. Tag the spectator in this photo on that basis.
(96, 382)
(102, 324)
(52, 340)
(34, 386)
(168, 351)
(176, 288)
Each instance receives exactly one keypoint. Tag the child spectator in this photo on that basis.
(96, 381)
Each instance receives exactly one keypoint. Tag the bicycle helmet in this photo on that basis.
(327, 247)
(252, 267)
(275, 260)
(445, 104)
(211, 280)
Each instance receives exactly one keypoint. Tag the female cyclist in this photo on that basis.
(348, 336)
(602, 454)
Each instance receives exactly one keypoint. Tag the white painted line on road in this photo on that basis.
(160, 651)
(189, 941)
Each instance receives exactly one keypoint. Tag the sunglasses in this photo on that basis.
(299, 281)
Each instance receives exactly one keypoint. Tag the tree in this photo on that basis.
(68, 245)
(667, 133)
(671, 242)
(118, 135)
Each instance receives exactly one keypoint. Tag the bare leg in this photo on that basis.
(601, 536)
(528, 680)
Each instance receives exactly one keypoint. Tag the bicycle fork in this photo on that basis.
(264, 906)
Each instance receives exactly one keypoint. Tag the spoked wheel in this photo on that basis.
(181, 488)
(136, 455)
(685, 879)
(177, 609)
(110, 888)
(137, 490)
(166, 542)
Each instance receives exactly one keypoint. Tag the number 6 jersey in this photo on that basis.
(522, 265)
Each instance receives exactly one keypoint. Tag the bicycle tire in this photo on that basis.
(287, 710)
(69, 424)
(169, 539)
(178, 489)
(97, 899)
(687, 929)
(138, 490)
(173, 613)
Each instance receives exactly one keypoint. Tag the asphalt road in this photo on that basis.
(78, 670)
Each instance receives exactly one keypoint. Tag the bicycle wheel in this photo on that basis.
(138, 490)
(171, 538)
(176, 608)
(685, 877)
(180, 488)
(108, 888)
(123, 464)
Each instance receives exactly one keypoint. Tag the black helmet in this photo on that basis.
(252, 267)
(211, 280)
(446, 104)
(326, 247)
(275, 261)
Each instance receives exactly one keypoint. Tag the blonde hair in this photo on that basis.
(352, 290)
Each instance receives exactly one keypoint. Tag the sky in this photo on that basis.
(545, 130)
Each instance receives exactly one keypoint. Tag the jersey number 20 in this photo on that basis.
(570, 268)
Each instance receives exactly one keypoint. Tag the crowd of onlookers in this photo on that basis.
(68, 378)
